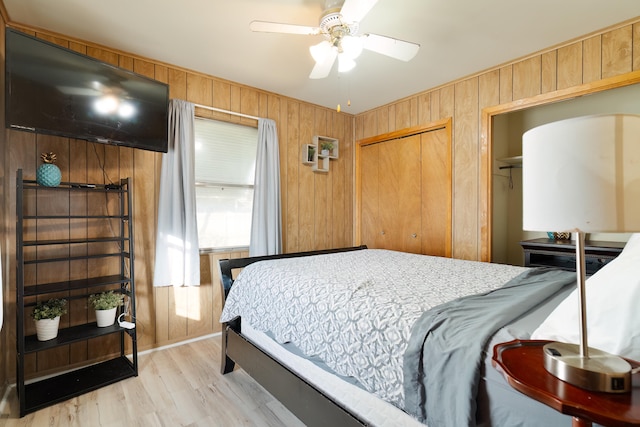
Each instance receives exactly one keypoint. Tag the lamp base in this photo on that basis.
(600, 371)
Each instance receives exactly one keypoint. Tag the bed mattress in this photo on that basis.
(354, 313)
(508, 407)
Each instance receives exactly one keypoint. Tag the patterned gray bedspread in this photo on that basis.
(355, 310)
(442, 361)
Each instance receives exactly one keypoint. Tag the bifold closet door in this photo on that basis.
(391, 206)
(436, 193)
(405, 193)
(370, 232)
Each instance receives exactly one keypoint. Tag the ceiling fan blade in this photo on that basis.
(275, 27)
(398, 49)
(355, 10)
(322, 69)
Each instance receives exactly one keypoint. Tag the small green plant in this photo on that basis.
(49, 309)
(326, 145)
(106, 300)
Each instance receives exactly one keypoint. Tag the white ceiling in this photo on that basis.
(457, 38)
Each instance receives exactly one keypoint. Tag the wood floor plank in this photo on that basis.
(177, 386)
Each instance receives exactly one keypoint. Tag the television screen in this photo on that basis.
(53, 90)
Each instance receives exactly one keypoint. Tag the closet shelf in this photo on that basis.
(510, 162)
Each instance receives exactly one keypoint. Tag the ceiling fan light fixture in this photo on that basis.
(339, 25)
(345, 63)
(352, 46)
(320, 51)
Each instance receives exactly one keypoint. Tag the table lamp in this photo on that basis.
(582, 175)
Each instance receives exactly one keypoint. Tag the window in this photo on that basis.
(224, 173)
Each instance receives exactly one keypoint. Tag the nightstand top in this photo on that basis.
(522, 364)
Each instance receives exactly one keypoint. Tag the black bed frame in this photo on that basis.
(304, 400)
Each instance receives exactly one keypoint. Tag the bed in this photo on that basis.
(302, 325)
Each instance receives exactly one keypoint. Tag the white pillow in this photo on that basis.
(613, 315)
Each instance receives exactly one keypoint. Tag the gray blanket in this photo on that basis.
(442, 361)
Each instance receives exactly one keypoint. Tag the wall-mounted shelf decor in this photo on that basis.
(318, 154)
(328, 147)
(309, 153)
(321, 164)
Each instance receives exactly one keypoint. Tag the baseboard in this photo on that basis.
(179, 343)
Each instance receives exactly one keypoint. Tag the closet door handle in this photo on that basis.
(382, 233)
(414, 235)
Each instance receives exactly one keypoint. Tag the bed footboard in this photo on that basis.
(308, 403)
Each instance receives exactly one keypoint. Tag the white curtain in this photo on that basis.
(266, 222)
(177, 257)
(1, 295)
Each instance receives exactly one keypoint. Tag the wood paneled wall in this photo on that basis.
(317, 208)
(4, 223)
(573, 69)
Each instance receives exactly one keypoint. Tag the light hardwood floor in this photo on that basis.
(177, 386)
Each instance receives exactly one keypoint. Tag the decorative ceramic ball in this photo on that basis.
(48, 174)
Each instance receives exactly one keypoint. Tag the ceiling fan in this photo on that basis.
(339, 26)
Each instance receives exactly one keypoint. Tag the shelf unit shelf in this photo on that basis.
(70, 335)
(90, 282)
(71, 258)
(74, 241)
(65, 186)
(33, 204)
(41, 394)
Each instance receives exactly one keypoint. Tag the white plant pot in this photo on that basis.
(325, 152)
(47, 329)
(106, 317)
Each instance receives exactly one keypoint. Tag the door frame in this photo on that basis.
(485, 214)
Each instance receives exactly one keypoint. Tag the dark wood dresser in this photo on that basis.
(562, 253)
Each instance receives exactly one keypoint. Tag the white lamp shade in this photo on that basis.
(582, 174)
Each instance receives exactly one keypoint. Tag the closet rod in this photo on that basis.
(220, 110)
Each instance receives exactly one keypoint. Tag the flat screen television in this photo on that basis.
(54, 90)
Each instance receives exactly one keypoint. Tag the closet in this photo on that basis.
(405, 191)
(506, 190)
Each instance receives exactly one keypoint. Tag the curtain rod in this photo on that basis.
(220, 110)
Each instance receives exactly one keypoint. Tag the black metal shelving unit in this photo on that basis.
(40, 393)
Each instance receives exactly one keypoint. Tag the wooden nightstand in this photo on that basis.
(522, 364)
(562, 253)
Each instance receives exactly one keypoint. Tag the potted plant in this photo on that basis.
(105, 304)
(47, 314)
(326, 147)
